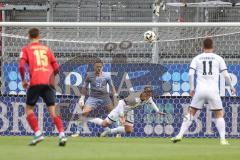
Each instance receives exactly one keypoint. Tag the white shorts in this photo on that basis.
(211, 98)
(114, 115)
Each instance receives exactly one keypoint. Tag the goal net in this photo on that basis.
(132, 64)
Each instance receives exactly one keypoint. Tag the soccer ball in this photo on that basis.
(149, 36)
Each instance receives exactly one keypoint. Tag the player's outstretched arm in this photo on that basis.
(224, 71)
(83, 92)
(81, 100)
(191, 81)
(110, 83)
(191, 74)
(154, 106)
(114, 91)
(229, 81)
(22, 62)
(54, 62)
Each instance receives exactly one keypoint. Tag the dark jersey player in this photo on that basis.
(42, 68)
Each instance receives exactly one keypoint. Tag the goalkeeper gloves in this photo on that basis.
(81, 101)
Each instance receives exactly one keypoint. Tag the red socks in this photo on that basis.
(32, 121)
(58, 122)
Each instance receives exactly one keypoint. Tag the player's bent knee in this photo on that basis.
(219, 113)
(105, 123)
(128, 129)
(29, 109)
(51, 110)
(86, 111)
(193, 110)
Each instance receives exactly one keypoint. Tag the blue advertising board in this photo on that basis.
(147, 123)
(167, 80)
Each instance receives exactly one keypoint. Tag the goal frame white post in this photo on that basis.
(120, 24)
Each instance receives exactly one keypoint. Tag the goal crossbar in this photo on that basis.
(120, 24)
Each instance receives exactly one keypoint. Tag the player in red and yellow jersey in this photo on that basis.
(42, 68)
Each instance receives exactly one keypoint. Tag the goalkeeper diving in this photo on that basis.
(124, 112)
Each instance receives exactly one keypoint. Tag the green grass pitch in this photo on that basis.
(15, 148)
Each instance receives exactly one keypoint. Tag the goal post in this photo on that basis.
(120, 24)
(129, 60)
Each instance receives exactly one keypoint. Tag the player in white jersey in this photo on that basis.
(208, 67)
(124, 112)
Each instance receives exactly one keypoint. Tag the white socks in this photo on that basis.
(38, 133)
(97, 121)
(185, 125)
(61, 134)
(220, 124)
(119, 129)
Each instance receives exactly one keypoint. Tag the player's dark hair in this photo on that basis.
(148, 90)
(33, 33)
(98, 61)
(143, 95)
(208, 43)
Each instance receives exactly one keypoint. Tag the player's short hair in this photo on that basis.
(143, 95)
(33, 33)
(148, 90)
(98, 61)
(208, 43)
